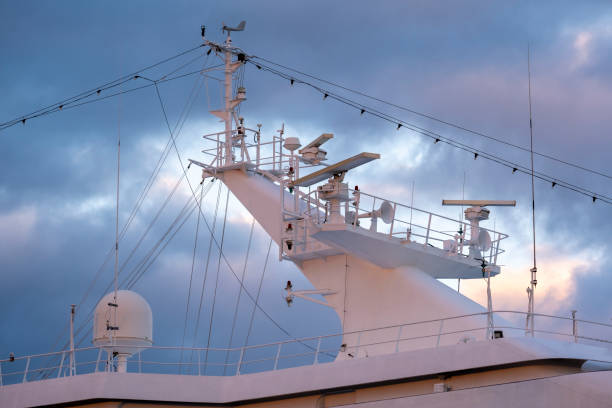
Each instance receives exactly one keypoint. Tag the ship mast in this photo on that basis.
(227, 119)
(227, 113)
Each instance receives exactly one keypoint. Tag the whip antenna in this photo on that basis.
(534, 270)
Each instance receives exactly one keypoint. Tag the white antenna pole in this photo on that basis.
(489, 304)
(114, 305)
(461, 225)
(117, 217)
(72, 361)
(411, 207)
(533, 270)
(228, 97)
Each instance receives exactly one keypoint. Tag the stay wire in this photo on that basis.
(145, 263)
(202, 292)
(208, 227)
(236, 308)
(161, 160)
(193, 262)
(222, 255)
(165, 244)
(212, 312)
(153, 176)
(221, 252)
(439, 138)
(75, 105)
(210, 242)
(95, 90)
(150, 226)
(256, 302)
(148, 260)
(185, 214)
(124, 229)
(431, 117)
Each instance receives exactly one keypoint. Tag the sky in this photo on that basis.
(462, 62)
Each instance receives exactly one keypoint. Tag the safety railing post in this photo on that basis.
(27, 367)
(496, 248)
(428, 229)
(61, 366)
(392, 220)
(440, 332)
(140, 361)
(399, 336)
(316, 360)
(98, 360)
(1, 383)
(358, 344)
(278, 351)
(240, 361)
(574, 326)
(200, 362)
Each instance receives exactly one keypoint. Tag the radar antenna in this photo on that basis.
(480, 240)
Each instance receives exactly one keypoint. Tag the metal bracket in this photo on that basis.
(304, 294)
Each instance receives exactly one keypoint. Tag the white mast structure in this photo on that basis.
(371, 279)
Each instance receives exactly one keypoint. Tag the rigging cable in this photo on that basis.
(193, 260)
(210, 242)
(263, 274)
(431, 117)
(151, 257)
(185, 213)
(212, 312)
(93, 91)
(143, 194)
(246, 260)
(439, 138)
(218, 246)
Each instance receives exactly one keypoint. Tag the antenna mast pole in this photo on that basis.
(72, 361)
(533, 270)
(228, 97)
(114, 304)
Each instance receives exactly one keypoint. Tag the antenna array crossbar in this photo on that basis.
(481, 203)
(340, 167)
(319, 141)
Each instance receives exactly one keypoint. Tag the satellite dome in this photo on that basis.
(124, 327)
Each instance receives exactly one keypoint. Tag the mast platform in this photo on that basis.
(392, 252)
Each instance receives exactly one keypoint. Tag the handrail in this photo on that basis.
(276, 348)
(430, 232)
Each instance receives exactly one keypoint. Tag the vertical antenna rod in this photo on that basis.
(116, 269)
(72, 361)
(533, 270)
(228, 97)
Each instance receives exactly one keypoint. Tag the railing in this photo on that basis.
(304, 351)
(248, 148)
(408, 224)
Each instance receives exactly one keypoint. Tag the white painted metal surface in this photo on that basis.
(351, 374)
(125, 327)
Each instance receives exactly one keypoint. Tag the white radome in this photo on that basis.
(134, 322)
